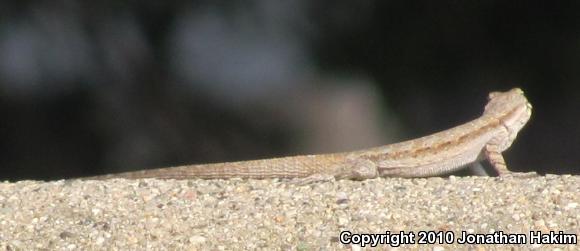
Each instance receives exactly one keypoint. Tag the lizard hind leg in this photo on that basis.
(360, 169)
(355, 169)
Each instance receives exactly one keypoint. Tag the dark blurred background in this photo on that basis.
(91, 87)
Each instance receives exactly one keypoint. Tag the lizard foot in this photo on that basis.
(315, 178)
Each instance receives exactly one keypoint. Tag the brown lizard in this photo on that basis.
(483, 138)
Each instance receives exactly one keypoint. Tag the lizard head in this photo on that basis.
(511, 108)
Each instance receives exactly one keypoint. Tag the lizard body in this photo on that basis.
(483, 138)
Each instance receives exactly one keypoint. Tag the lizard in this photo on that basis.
(484, 138)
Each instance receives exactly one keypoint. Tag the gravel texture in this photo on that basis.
(277, 214)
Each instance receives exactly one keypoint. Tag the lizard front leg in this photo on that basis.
(496, 159)
(493, 155)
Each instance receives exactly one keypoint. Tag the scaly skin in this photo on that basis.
(483, 138)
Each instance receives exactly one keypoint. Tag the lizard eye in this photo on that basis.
(517, 90)
(492, 95)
